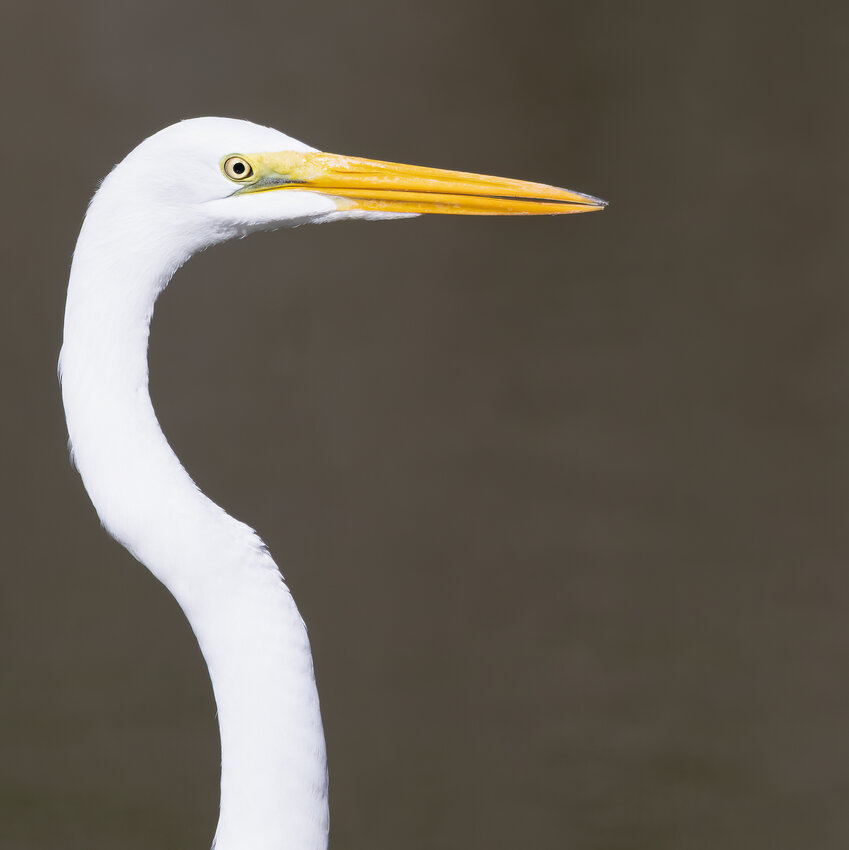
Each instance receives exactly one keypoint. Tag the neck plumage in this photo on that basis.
(273, 766)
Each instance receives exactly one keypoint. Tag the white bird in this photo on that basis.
(190, 186)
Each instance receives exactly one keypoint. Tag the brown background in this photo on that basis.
(564, 502)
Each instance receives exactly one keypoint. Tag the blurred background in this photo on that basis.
(563, 501)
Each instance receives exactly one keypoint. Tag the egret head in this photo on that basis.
(219, 178)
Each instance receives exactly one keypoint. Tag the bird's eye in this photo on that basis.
(237, 168)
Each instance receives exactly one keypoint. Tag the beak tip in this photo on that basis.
(597, 203)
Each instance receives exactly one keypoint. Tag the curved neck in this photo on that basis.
(273, 773)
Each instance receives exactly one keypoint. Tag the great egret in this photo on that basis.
(190, 186)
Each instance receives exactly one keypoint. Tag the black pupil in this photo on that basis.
(238, 167)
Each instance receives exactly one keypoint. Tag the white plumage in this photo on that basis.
(175, 194)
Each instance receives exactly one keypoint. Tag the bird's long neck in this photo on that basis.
(273, 775)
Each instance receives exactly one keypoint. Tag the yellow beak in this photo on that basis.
(374, 186)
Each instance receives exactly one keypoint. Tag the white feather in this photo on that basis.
(167, 200)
